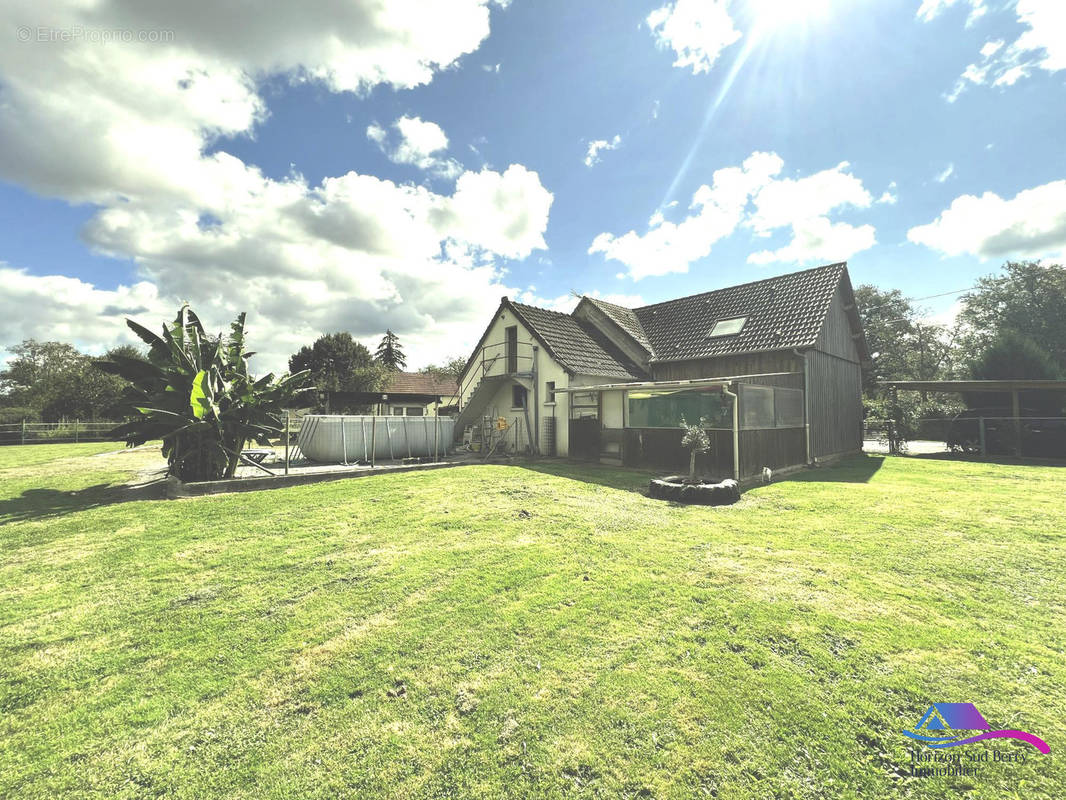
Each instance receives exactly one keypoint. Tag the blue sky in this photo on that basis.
(357, 167)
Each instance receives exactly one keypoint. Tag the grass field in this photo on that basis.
(509, 631)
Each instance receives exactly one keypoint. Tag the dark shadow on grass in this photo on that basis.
(1013, 461)
(35, 504)
(859, 469)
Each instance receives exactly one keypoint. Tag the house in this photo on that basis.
(773, 367)
(415, 394)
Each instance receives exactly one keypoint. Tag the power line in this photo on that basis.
(927, 297)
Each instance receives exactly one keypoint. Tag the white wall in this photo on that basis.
(547, 370)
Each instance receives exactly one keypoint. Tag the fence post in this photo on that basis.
(373, 439)
(23, 430)
(286, 442)
(76, 431)
(436, 434)
(981, 435)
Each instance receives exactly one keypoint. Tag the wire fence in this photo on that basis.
(1030, 437)
(71, 431)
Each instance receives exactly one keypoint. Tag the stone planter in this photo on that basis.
(706, 492)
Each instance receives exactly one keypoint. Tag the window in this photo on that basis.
(549, 391)
(665, 408)
(415, 411)
(765, 407)
(511, 335)
(518, 396)
(756, 407)
(727, 327)
(397, 411)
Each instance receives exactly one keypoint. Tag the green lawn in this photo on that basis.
(509, 631)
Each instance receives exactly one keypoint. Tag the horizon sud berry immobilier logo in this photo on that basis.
(951, 725)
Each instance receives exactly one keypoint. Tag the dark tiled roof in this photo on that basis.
(420, 383)
(783, 313)
(626, 319)
(577, 345)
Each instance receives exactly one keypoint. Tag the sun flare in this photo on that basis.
(781, 13)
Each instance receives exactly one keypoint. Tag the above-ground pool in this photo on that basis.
(346, 439)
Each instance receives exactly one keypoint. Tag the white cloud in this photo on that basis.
(781, 202)
(566, 303)
(889, 197)
(1040, 46)
(696, 30)
(946, 317)
(419, 144)
(1031, 225)
(930, 9)
(818, 239)
(592, 155)
(126, 128)
(717, 211)
(991, 48)
(66, 309)
(750, 195)
(945, 173)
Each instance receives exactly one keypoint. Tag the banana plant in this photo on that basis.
(195, 393)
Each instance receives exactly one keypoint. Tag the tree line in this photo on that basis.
(1010, 325)
(54, 381)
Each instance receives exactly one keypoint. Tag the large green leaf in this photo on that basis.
(200, 397)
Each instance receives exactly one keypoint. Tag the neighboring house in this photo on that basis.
(773, 366)
(416, 394)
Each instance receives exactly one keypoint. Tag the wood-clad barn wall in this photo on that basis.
(835, 384)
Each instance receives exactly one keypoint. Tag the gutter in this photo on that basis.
(806, 400)
(736, 432)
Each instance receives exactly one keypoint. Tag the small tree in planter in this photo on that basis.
(696, 440)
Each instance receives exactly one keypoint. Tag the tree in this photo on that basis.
(1027, 298)
(695, 439)
(195, 393)
(389, 353)
(337, 363)
(1013, 356)
(906, 347)
(452, 369)
(58, 382)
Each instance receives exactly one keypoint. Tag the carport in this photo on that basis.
(1015, 388)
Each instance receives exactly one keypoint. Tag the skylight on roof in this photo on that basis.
(727, 327)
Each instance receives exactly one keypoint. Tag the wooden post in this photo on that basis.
(76, 431)
(436, 433)
(981, 435)
(23, 430)
(286, 442)
(406, 435)
(373, 439)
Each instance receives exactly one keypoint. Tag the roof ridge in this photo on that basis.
(839, 264)
(539, 308)
(605, 303)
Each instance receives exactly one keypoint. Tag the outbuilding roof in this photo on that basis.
(420, 383)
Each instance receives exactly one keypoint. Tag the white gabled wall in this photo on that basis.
(548, 369)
